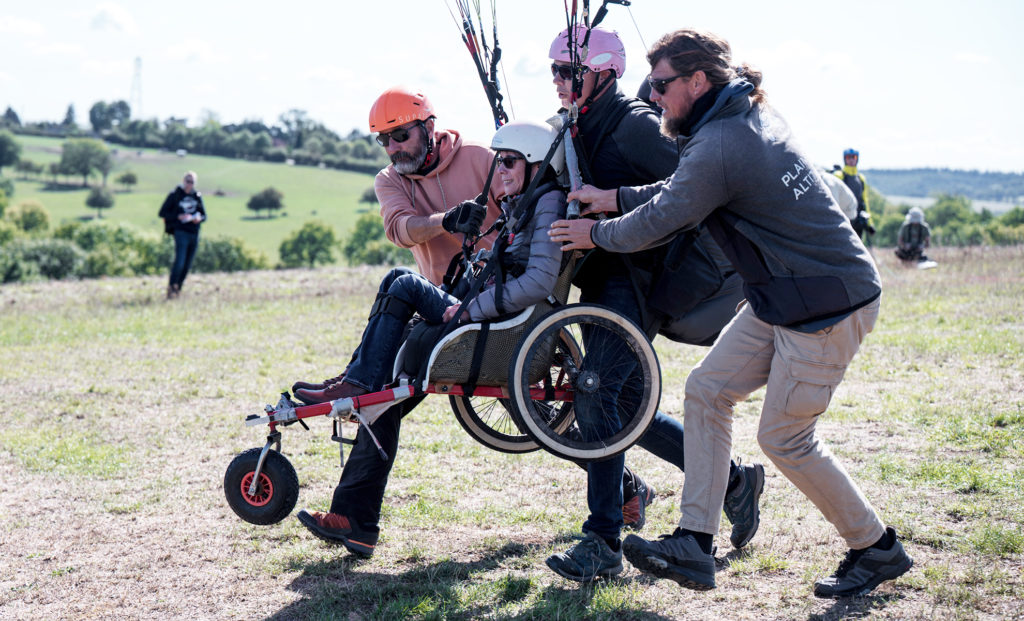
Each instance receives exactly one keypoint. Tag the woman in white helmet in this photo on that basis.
(530, 263)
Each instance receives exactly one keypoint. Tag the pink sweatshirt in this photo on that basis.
(459, 176)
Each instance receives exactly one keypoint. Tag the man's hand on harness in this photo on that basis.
(575, 234)
(466, 217)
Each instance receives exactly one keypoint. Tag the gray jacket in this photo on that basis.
(533, 248)
(742, 174)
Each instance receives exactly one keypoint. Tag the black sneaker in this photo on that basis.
(675, 557)
(742, 504)
(634, 510)
(336, 528)
(586, 561)
(862, 570)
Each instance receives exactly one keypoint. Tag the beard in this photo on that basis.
(408, 163)
(672, 127)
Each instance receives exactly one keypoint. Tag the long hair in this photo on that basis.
(689, 51)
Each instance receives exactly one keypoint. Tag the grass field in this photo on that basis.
(125, 409)
(309, 193)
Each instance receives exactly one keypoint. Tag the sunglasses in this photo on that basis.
(190, 180)
(564, 72)
(662, 85)
(508, 161)
(399, 135)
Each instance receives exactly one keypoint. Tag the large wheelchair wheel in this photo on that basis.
(492, 421)
(612, 381)
(277, 489)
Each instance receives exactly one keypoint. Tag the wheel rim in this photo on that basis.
(264, 490)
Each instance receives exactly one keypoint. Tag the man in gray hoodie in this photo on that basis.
(812, 293)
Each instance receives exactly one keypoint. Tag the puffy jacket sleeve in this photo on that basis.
(538, 280)
(652, 215)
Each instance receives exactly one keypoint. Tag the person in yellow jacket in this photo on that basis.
(859, 186)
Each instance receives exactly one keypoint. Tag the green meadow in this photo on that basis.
(331, 196)
(124, 409)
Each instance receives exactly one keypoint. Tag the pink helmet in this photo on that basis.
(605, 49)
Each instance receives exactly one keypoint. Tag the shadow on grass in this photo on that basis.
(445, 589)
(856, 607)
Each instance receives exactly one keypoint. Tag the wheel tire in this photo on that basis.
(276, 493)
(489, 421)
(610, 337)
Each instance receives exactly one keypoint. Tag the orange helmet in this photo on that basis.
(397, 106)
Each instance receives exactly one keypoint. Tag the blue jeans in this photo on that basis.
(185, 244)
(402, 294)
(664, 437)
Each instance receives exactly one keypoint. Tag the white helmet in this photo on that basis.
(915, 215)
(532, 140)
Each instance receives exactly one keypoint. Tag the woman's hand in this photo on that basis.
(450, 312)
(596, 201)
(572, 234)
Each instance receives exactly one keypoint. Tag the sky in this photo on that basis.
(909, 83)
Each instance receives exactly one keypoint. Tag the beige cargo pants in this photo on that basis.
(801, 372)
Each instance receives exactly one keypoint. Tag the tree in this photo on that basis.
(950, 208)
(367, 245)
(120, 112)
(28, 167)
(100, 199)
(99, 117)
(269, 199)
(10, 149)
(369, 196)
(81, 156)
(128, 179)
(104, 164)
(69, 118)
(310, 246)
(10, 118)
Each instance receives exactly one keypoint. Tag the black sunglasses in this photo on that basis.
(564, 72)
(398, 135)
(661, 85)
(508, 161)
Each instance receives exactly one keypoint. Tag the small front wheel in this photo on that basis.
(276, 492)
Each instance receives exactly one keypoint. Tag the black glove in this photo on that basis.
(466, 217)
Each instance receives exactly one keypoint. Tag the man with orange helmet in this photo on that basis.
(426, 196)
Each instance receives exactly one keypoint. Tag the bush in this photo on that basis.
(7, 187)
(100, 199)
(368, 246)
(29, 216)
(8, 232)
(117, 249)
(3, 201)
(310, 246)
(227, 254)
(25, 259)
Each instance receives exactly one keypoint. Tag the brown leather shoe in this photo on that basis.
(337, 528)
(337, 390)
(324, 384)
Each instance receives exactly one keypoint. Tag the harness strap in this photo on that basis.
(478, 358)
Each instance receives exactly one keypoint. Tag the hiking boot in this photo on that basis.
(634, 511)
(588, 560)
(675, 557)
(324, 384)
(337, 390)
(338, 529)
(742, 503)
(862, 570)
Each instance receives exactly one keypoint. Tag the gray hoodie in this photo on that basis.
(742, 174)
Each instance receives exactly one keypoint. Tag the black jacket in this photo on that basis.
(179, 202)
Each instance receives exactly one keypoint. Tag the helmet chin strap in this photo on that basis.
(597, 92)
(428, 159)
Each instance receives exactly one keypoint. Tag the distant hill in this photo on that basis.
(923, 182)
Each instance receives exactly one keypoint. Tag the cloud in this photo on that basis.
(328, 73)
(16, 26)
(972, 59)
(107, 68)
(56, 48)
(194, 51)
(111, 16)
